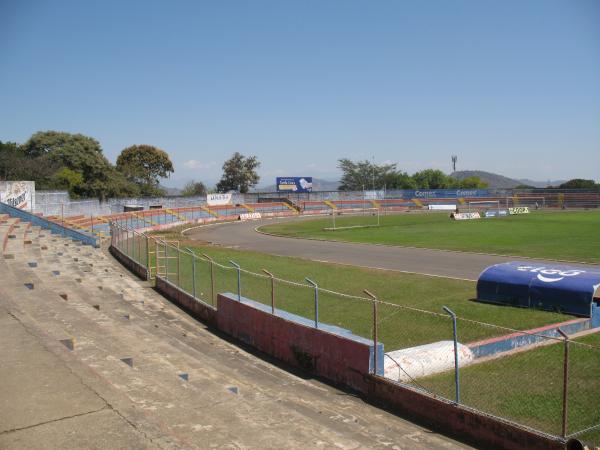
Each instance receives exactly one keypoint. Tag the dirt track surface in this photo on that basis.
(406, 259)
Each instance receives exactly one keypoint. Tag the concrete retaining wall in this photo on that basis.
(193, 306)
(509, 342)
(132, 265)
(342, 359)
(485, 431)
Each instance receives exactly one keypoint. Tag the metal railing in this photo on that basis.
(546, 381)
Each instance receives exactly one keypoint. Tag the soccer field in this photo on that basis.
(564, 235)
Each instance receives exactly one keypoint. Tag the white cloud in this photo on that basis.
(196, 165)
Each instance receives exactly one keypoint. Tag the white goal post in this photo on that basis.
(483, 204)
(372, 212)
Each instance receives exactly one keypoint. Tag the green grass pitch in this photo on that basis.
(569, 235)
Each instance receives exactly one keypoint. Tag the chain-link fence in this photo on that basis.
(543, 381)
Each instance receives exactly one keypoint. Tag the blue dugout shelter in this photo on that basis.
(566, 289)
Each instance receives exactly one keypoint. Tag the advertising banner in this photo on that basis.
(250, 216)
(294, 184)
(496, 213)
(445, 193)
(466, 216)
(374, 195)
(19, 194)
(218, 199)
(518, 210)
(442, 207)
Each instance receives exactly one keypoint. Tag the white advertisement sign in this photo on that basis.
(218, 199)
(466, 216)
(442, 207)
(518, 210)
(20, 194)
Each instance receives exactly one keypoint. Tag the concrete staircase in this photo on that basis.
(151, 376)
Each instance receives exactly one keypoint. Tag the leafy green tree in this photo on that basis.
(144, 165)
(239, 173)
(398, 180)
(78, 153)
(361, 175)
(473, 182)
(579, 183)
(11, 157)
(68, 179)
(432, 179)
(193, 188)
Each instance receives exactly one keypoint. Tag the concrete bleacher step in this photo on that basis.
(188, 382)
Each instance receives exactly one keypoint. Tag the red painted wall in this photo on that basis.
(195, 308)
(325, 354)
(447, 417)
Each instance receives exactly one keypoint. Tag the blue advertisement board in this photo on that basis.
(445, 193)
(294, 184)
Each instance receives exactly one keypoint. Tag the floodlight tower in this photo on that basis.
(454, 159)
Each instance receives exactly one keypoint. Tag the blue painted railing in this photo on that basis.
(46, 224)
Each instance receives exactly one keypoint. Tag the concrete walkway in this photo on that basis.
(92, 358)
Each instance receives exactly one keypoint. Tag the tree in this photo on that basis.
(239, 174)
(78, 153)
(193, 188)
(361, 175)
(68, 179)
(11, 157)
(470, 183)
(399, 180)
(579, 183)
(144, 165)
(432, 179)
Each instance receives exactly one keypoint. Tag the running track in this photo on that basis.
(406, 259)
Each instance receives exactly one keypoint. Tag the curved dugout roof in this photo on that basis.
(553, 287)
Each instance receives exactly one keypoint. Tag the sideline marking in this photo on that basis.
(393, 270)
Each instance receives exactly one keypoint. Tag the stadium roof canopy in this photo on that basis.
(567, 289)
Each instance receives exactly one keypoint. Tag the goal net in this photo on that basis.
(482, 206)
(341, 220)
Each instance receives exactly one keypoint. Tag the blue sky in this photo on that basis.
(509, 86)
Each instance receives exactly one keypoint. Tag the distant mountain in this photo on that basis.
(318, 185)
(500, 181)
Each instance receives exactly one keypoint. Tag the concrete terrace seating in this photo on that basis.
(163, 378)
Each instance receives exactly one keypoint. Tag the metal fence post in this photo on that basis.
(272, 290)
(139, 239)
(178, 266)
(212, 279)
(147, 252)
(239, 279)
(374, 329)
(456, 371)
(565, 406)
(316, 301)
(193, 271)
(166, 260)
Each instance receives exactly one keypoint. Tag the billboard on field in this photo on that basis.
(294, 184)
